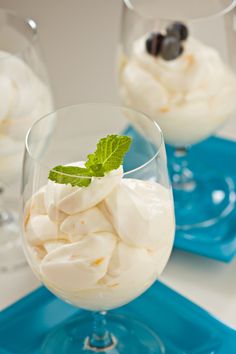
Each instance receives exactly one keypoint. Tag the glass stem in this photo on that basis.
(100, 339)
(5, 216)
(182, 176)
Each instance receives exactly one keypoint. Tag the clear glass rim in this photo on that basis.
(110, 105)
(221, 13)
(27, 21)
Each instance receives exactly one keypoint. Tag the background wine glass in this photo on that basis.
(25, 96)
(70, 134)
(190, 96)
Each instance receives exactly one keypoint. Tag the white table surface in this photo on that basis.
(76, 78)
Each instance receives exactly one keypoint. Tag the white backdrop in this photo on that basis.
(78, 39)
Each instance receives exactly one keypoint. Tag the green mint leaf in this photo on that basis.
(70, 175)
(110, 153)
(107, 157)
(97, 170)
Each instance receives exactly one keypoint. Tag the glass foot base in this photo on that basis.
(211, 200)
(11, 253)
(129, 337)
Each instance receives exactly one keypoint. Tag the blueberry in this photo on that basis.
(171, 48)
(153, 43)
(177, 29)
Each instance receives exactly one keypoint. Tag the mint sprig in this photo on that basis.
(70, 175)
(108, 156)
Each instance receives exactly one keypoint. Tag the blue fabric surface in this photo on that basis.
(183, 326)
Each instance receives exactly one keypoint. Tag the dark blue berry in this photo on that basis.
(171, 48)
(178, 30)
(153, 43)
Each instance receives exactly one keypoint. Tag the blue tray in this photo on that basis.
(184, 327)
(219, 155)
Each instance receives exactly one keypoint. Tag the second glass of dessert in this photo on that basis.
(95, 232)
(177, 63)
(25, 96)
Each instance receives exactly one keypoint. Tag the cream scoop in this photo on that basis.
(126, 263)
(141, 213)
(40, 229)
(89, 221)
(80, 265)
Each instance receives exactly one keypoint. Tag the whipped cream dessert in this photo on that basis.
(24, 98)
(99, 246)
(189, 96)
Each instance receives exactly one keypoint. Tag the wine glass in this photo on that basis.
(25, 97)
(89, 242)
(177, 63)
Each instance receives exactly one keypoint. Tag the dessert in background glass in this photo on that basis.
(177, 63)
(24, 97)
(94, 232)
